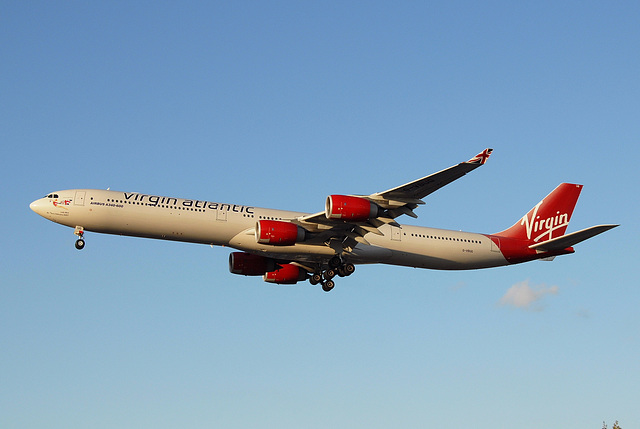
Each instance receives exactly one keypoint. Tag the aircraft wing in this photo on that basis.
(410, 195)
(394, 202)
(420, 188)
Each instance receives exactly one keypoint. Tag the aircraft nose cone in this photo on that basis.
(36, 206)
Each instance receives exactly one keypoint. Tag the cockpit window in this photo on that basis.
(52, 196)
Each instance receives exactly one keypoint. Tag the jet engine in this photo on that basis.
(289, 274)
(348, 208)
(278, 233)
(250, 265)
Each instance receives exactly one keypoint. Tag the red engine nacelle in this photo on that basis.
(289, 274)
(348, 208)
(278, 233)
(250, 265)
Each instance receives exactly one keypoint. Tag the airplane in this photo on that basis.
(287, 247)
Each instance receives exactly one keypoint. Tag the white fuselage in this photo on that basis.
(206, 222)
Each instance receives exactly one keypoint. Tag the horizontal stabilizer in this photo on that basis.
(569, 240)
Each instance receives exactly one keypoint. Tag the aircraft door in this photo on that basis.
(396, 234)
(221, 213)
(79, 200)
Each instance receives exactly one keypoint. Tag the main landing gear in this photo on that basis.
(336, 267)
(79, 231)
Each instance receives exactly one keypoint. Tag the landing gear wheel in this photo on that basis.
(316, 278)
(329, 274)
(349, 269)
(328, 285)
(335, 262)
(79, 244)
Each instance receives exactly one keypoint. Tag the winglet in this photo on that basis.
(481, 158)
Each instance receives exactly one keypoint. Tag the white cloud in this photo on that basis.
(523, 295)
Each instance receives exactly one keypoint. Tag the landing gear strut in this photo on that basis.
(79, 231)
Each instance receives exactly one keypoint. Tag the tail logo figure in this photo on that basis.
(548, 225)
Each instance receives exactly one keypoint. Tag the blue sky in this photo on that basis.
(278, 104)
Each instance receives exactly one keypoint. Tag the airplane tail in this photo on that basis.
(543, 228)
(548, 219)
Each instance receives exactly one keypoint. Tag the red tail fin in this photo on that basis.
(549, 218)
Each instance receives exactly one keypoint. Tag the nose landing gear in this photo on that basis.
(79, 231)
